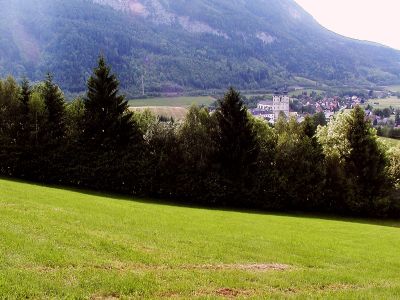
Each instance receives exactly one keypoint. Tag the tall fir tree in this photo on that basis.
(25, 95)
(24, 124)
(108, 122)
(365, 164)
(55, 128)
(237, 146)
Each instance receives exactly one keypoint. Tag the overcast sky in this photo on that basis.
(372, 20)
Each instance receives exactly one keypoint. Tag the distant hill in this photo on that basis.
(185, 44)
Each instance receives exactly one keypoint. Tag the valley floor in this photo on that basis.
(67, 244)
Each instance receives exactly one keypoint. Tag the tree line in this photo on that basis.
(226, 158)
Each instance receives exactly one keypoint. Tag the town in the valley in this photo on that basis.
(378, 106)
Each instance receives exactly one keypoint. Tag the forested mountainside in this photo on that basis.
(179, 45)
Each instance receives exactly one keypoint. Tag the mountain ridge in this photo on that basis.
(185, 45)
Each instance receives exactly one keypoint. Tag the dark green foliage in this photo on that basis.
(236, 146)
(397, 118)
(25, 96)
(388, 131)
(265, 184)
(197, 179)
(9, 125)
(227, 158)
(75, 119)
(23, 118)
(364, 165)
(384, 113)
(107, 120)
(357, 179)
(319, 119)
(299, 166)
(55, 109)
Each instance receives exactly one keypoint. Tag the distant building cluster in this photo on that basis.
(307, 104)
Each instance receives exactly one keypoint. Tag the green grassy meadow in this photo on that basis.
(173, 101)
(58, 243)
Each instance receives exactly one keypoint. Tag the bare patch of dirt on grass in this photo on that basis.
(338, 287)
(126, 267)
(232, 293)
(112, 296)
(169, 295)
(244, 267)
(121, 266)
(227, 293)
(317, 289)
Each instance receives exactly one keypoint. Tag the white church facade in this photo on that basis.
(271, 110)
(281, 104)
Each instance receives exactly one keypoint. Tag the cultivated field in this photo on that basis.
(173, 101)
(385, 103)
(68, 244)
(394, 88)
(177, 113)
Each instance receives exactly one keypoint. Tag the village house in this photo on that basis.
(267, 114)
(265, 105)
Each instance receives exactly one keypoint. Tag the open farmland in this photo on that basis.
(58, 243)
(177, 113)
(385, 103)
(394, 88)
(173, 101)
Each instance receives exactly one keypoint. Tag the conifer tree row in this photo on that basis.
(226, 158)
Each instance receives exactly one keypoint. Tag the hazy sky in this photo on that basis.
(373, 20)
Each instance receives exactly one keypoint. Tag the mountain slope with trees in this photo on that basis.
(184, 45)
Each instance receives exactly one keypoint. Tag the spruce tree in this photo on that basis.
(365, 164)
(55, 108)
(237, 146)
(24, 98)
(107, 120)
(26, 92)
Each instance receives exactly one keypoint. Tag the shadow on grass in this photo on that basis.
(161, 201)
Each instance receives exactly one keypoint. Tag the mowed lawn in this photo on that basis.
(58, 243)
(173, 101)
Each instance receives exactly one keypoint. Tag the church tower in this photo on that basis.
(281, 104)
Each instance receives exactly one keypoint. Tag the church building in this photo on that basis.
(280, 104)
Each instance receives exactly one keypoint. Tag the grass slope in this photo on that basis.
(66, 244)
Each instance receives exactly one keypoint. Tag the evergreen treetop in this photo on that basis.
(55, 108)
(107, 119)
